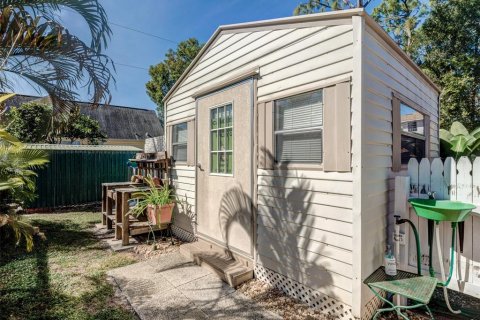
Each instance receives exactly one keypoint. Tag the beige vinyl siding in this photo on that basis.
(311, 241)
(184, 182)
(304, 228)
(384, 73)
(279, 52)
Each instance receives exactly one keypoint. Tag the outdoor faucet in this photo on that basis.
(431, 195)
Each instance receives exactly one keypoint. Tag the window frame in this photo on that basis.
(223, 104)
(396, 152)
(179, 143)
(298, 164)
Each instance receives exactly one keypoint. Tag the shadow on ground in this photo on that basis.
(55, 281)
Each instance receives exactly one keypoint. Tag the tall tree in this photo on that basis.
(82, 127)
(315, 6)
(401, 20)
(35, 46)
(450, 54)
(166, 73)
(35, 123)
(30, 122)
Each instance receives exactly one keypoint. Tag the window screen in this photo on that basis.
(179, 142)
(298, 128)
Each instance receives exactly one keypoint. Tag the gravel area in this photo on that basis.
(276, 301)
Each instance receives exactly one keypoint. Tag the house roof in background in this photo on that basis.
(124, 122)
(118, 122)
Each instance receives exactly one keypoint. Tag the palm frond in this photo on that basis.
(45, 54)
(22, 230)
(90, 10)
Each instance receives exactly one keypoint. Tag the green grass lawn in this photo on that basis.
(64, 276)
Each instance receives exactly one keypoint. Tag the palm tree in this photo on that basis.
(35, 46)
(17, 182)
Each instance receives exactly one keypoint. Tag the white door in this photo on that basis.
(224, 168)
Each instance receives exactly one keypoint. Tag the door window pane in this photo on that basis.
(229, 139)
(221, 141)
(229, 161)
(214, 141)
(214, 162)
(228, 116)
(221, 117)
(213, 119)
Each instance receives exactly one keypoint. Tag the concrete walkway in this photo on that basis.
(172, 287)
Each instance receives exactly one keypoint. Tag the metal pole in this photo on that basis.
(359, 4)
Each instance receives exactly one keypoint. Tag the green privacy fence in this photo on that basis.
(75, 173)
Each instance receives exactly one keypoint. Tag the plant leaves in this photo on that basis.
(458, 129)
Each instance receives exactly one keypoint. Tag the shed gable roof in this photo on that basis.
(292, 21)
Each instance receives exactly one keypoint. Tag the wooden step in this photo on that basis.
(225, 265)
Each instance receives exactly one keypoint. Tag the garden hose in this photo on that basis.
(444, 282)
(417, 240)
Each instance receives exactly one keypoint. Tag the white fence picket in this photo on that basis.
(476, 222)
(424, 175)
(464, 193)
(450, 176)
(441, 192)
(413, 173)
(456, 181)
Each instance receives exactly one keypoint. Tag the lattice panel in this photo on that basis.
(183, 234)
(371, 307)
(310, 296)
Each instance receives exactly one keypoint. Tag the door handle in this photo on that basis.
(199, 165)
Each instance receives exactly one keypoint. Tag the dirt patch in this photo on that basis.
(276, 301)
(162, 246)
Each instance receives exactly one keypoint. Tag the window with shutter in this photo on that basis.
(179, 142)
(298, 128)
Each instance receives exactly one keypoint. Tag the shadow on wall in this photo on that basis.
(286, 239)
(184, 215)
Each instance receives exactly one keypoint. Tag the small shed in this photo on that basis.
(286, 135)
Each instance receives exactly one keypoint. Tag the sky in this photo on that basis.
(175, 20)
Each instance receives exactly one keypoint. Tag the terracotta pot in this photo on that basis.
(160, 214)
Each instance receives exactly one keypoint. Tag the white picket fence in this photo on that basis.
(449, 180)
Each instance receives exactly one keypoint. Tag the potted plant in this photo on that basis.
(158, 202)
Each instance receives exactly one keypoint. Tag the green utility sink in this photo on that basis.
(442, 210)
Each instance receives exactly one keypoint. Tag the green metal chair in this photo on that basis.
(410, 285)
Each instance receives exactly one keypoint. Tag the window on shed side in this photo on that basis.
(413, 140)
(179, 142)
(299, 128)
